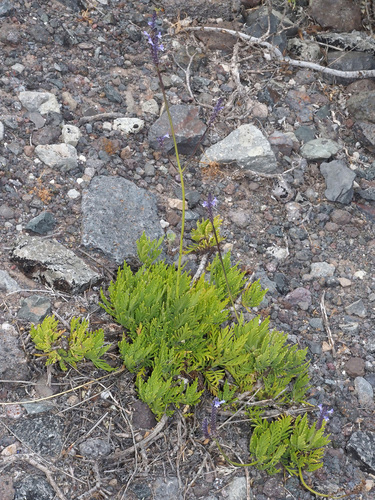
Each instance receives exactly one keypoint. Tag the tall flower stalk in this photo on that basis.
(156, 46)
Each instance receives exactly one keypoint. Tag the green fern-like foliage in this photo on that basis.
(70, 348)
(292, 444)
(203, 236)
(175, 331)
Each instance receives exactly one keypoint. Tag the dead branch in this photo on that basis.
(276, 54)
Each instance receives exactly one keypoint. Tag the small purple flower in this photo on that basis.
(161, 140)
(324, 413)
(154, 39)
(217, 108)
(210, 204)
(209, 427)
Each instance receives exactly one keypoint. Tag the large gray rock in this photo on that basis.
(348, 61)
(62, 156)
(44, 102)
(362, 445)
(115, 212)
(361, 106)
(52, 263)
(13, 363)
(339, 181)
(343, 17)
(43, 434)
(188, 129)
(260, 22)
(246, 147)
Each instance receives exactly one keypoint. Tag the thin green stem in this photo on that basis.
(180, 171)
(313, 491)
(225, 274)
(236, 464)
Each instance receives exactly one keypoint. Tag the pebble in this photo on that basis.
(357, 308)
(128, 125)
(319, 149)
(355, 367)
(34, 309)
(73, 194)
(365, 392)
(95, 448)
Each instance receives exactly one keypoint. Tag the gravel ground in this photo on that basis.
(315, 256)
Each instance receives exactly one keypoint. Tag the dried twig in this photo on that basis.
(147, 440)
(98, 117)
(326, 324)
(201, 267)
(276, 54)
(187, 71)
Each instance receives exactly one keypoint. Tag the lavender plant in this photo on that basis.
(180, 337)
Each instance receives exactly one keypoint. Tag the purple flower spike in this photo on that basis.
(209, 426)
(218, 107)
(154, 39)
(210, 204)
(324, 413)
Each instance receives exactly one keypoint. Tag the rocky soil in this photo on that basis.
(291, 160)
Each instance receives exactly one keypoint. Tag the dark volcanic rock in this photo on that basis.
(362, 444)
(115, 214)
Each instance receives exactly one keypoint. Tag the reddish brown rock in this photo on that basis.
(355, 367)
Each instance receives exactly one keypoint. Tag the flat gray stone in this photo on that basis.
(115, 212)
(13, 363)
(319, 270)
(42, 224)
(62, 156)
(188, 129)
(319, 149)
(365, 392)
(362, 445)
(44, 102)
(357, 308)
(7, 283)
(246, 147)
(34, 309)
(339, 181)
(236, 489)
(52, 263)
(42, 433)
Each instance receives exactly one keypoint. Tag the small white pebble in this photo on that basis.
(73, 194)
(79, 180)
(164, 223)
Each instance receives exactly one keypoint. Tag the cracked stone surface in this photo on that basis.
(52, 263)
